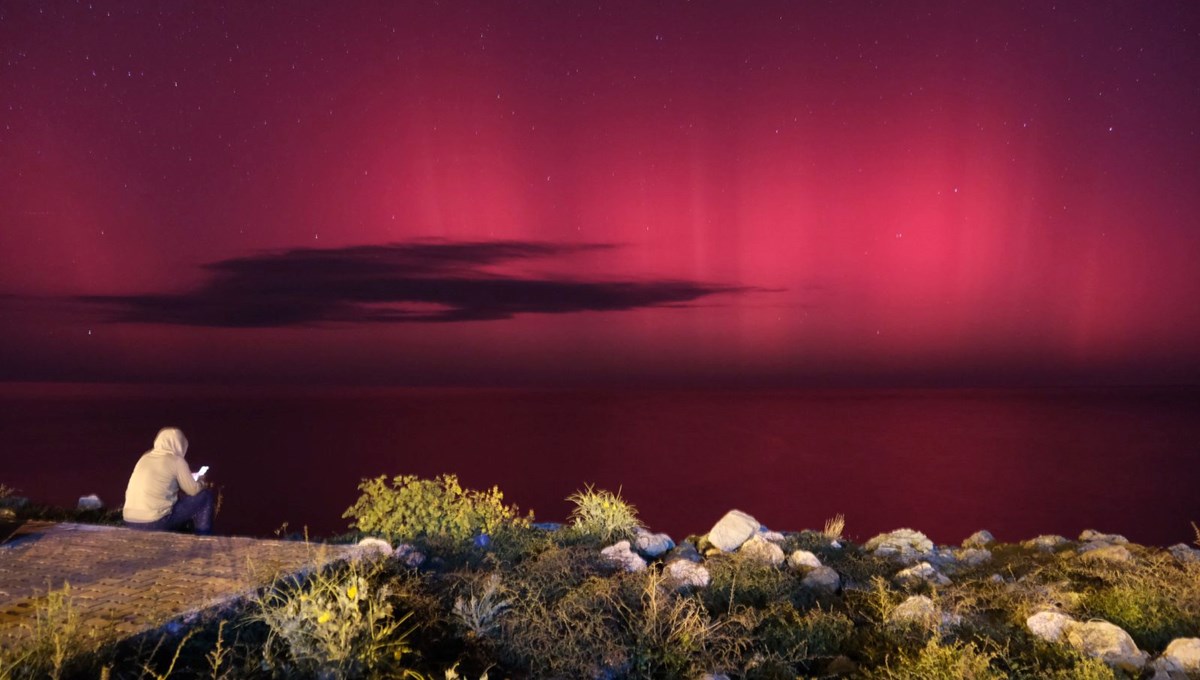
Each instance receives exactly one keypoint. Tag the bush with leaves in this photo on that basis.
(339, 621)
(410, 508)
(603, 515)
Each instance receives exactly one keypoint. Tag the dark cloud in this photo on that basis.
(428, 281)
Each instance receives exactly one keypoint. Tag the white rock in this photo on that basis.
(1117, 554)
(687, 574)
(621, 554)
(1090, 535)
(1184, 553)
(973, 557)
(822, 579)
(1046, 543)
(980, 539)
(90, 502)
(916, 609)
(759, 548)
(772, 536)
(371, 547)
(906, 545)
(1107, 642)
(922, 572)
(1185, 653)
(652, 545)
(803, 559)
(408, 555)
(732, 530)
(1048, 626)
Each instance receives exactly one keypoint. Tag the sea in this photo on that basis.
(1017, 462)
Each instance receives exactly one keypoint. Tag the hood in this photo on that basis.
(171, 440)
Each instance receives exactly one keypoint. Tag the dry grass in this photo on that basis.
(834, 526)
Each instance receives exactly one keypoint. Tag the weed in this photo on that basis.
(670, 633)
(339, 620)
(944, 661)
(834, 527)
(603, 515)
(480, 612)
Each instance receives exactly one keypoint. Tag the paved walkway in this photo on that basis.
(124, 582)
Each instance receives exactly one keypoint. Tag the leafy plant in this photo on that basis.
(411, 508)
(942, 661)
(339, 621)
(603, 515)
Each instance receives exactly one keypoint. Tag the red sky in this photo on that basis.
(786, 193)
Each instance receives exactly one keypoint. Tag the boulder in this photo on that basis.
(371, 547)
(1112, 554)
(686, 551)
(1092, 536)
(1184, 553)
(772, 536)
(923, 572)
(917, 609)
(980, 539)
(973, 557)
(1045, 543)
(906, 545)
(1049, 626)
(90, 502)
(1184, 653)
(652, 545)
(823, 580)
(762, 550)
(687, 574)
(732, 530)
(803, 560)
(1107, 642)
(621, 554)
(409, 556)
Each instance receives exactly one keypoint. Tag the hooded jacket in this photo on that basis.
(157, 478)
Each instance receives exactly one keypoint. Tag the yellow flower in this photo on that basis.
(352, 592)
(324, 617)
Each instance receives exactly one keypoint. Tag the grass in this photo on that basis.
(603, 515)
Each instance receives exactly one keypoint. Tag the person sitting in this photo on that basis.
(152, 499)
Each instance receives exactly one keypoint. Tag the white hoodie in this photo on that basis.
(157, 478)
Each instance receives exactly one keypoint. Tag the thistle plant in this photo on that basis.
(603, 515)
(480, 612)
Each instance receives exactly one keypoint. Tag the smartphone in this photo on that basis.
(203, 471)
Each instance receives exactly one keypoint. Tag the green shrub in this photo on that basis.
(339, 621)
(411, 508)
(797, 637)
(670, 633)
(603, 515)
(738, 581)
(1144, 609)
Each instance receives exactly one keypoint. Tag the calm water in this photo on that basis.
(947, 462)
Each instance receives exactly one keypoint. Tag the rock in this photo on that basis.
(90, 502)
(1091, 536)
(1107, 642)
(997, 578)
(687, 574)
(409, 556)
(973, 557)
(1184, 653)
(922, 572)
(1184, 553)
(714, 676)
(686, 551)
(762, 550)
(1113, 554)
(652, 545)
(1045, 543)
(980, 539)
(1049, 626)
(547, 526)
(906, 545)
(732, 530)
(620, 553)
(803, 560)
(772, 536)
(916, 609)
(371, 547)
(822, 579)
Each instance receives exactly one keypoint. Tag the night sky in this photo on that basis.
(567, 193)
